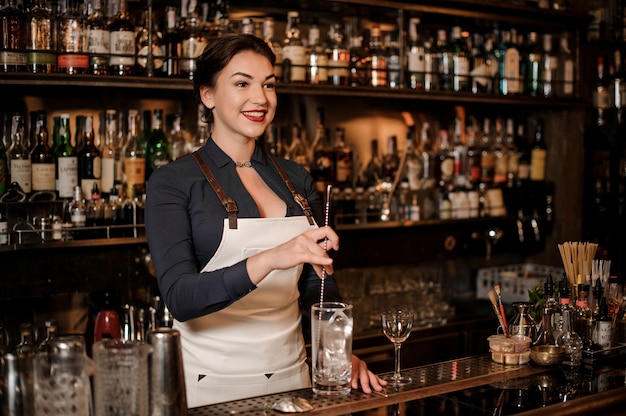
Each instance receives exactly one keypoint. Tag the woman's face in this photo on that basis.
(244, 98)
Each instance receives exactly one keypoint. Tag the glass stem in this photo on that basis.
(396, 359)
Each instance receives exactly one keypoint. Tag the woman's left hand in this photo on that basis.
(364, 377)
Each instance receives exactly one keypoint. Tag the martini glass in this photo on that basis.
(397, 326)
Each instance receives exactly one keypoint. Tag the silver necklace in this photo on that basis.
(246, 164)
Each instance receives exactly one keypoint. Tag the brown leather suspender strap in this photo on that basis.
(229, 204)
(302, 201)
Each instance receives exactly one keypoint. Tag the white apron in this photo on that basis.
(254, 346)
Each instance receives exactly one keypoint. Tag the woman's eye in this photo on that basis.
(270, 86)
(241, 84)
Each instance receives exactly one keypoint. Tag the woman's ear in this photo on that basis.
(206, 96)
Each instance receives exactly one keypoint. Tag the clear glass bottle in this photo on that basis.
(19, 156)
(565, 71)
(77, 209)
(150, 54)
(459, 153)
(98, 38)
(500, 154)
(122, 42)
(338, 57)
(416, 64)
(66, 161)
(41, 39)
(51, 326)
(343, 159)
(13, 39)
(374, 167)
(317, 58)
(179, 146)
(171, 43)
(487, 158)
(42, 158)
(472, 172)
(550, 67)
(293, 50)
(193, 40)
(377, 58)
(545, 335)
(570, 341)
(392, 47)
(72, 57)
(538, 154)
(26, 348)
(508, 57)
(390, 162)
(582, 312)
(443, 61)
(444, 164)
(108, 151)
(274, 44)
(414, 170)
(89, 160)
(604, 324)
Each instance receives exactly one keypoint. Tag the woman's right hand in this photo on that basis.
(307, 247)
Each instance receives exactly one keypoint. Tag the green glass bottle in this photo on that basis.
(158, 153)
(67, 161)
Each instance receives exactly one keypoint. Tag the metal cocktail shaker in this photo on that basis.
(167, 382)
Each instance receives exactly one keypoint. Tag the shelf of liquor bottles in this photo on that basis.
(38, 83)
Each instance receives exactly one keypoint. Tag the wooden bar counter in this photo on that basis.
(467, 386)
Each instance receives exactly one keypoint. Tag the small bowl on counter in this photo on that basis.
(547, 354)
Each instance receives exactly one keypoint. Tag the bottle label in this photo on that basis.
(43, 176)
(108, 174)
(339, 63)
(538, 165)
(511, 72)
(318, 68)
(603, 333)
(67, 174)
(297, 56)
(378, 76)
(122, 44)
(78, 217)
(98, 41)
(41, 58)
(4, 230)
(568, 78)
(21, 173)
(12, 58)
(191, 49)
(135, 169)
(157, 57)
(74, 60)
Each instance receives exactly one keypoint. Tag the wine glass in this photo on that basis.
(397, 326)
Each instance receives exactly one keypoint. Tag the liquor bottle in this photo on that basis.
(89, 160)
(500, 155)
(512, 154)
(613, 297)
(508, 64)
(338, 57)
(122, 42)
(443, 61)
(523, 148)
(98, 38)
(13, 39)
(343, 159)
(293, 50)
(72, 44)
(416, 64)
(107, 323)
(373, 169)
(359, 72)
(444, 164)
(597, 292)
(377, 58)
(298, 151)
(41, 39)
(472, 172)
(487, 158)
(604, 324)
(26, 348)
(459, 152)
(565, 304)
(323, 166)
(157, 149)
(42, 158)
(19, 156)
(317, 72)
(570, 341)
(274, 44)
(77, 211)
(95, 213)
(149, 52)
(66, 161)
(565, 69)
(427, 150)
(193, 40)
(108, 151)
(582, 312)
(549, 67)
(460, 61)
(51, 326)
(414, 170)
(538, 154)
(545, 335)
(171, 43)
(390, 161)
(393, 61)
(532, 63)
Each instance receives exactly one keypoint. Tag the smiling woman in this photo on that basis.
(234, 237)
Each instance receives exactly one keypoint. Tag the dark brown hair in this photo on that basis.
(218, 54)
